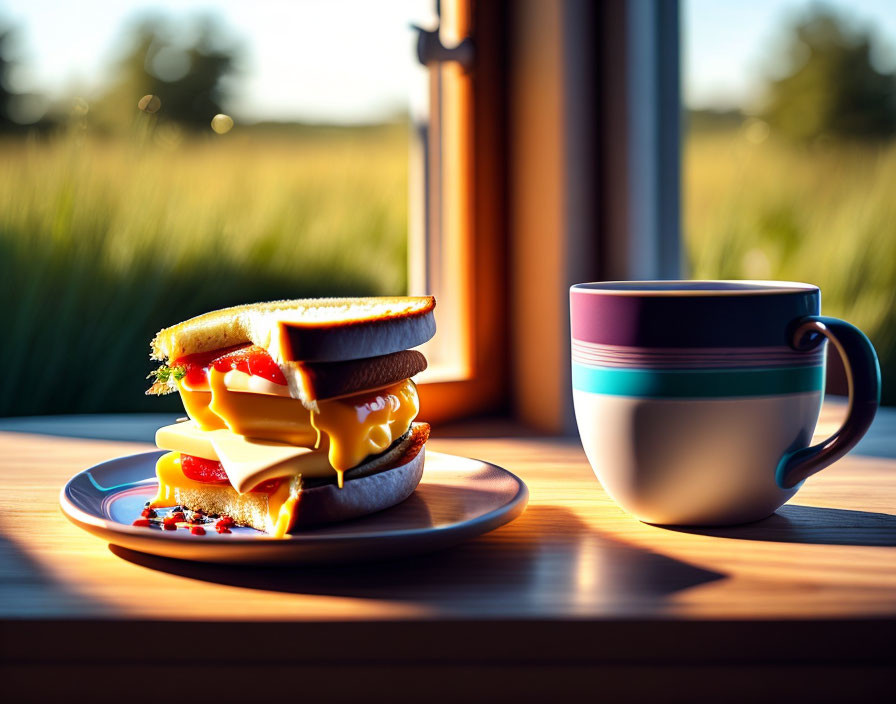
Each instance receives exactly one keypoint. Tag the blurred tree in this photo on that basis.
(19, 109)
(831, 87)
(187, 77)
(7, 66)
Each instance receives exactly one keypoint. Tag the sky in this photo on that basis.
(353, 60)
(728, 44)
(335, 60)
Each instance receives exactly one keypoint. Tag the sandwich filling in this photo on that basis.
(248, 435)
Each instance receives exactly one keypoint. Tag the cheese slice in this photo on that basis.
(246, 461)
(186, 437)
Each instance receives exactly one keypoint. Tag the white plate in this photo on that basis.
(458, 498)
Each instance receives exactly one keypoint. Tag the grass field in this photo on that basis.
(761, 209)
(104, 242)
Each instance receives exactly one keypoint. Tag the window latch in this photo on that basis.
(430, 49)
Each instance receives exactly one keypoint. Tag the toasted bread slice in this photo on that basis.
(380, 482)
(313, 329)
(319, 381)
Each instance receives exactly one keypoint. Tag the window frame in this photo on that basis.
(459, 255)
(559, 162)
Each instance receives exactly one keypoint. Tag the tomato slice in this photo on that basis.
(249, 359)
(206, 471)
(252, 360)
(196, 365)
(200, 469)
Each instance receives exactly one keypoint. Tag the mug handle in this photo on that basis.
(863, 377)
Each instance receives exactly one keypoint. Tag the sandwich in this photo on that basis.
(301, 412)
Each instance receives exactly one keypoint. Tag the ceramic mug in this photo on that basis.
(696, 400)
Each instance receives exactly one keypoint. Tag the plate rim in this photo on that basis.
(510, 510)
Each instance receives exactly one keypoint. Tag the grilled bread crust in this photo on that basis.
(311, 329)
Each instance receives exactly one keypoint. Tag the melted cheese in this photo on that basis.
(262, 436)
(355, 427)
(196, 404)
(282, 506)
(171, 478)
(279, 418)
(365, 425)
(350, 428)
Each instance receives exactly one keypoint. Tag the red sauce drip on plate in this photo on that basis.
(224, 524)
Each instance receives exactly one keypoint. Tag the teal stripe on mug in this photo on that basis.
(696, 383)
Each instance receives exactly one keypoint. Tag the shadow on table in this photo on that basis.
(546, 561)
(813, 525)
(29, 590)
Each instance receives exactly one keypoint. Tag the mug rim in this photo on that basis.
(751, 287)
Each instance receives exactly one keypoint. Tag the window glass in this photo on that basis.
(790, 158)
(163, 159)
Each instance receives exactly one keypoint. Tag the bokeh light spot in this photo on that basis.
(222, 124)
(150, 103)
(170, 63)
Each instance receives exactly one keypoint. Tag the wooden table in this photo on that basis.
(573, 598)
